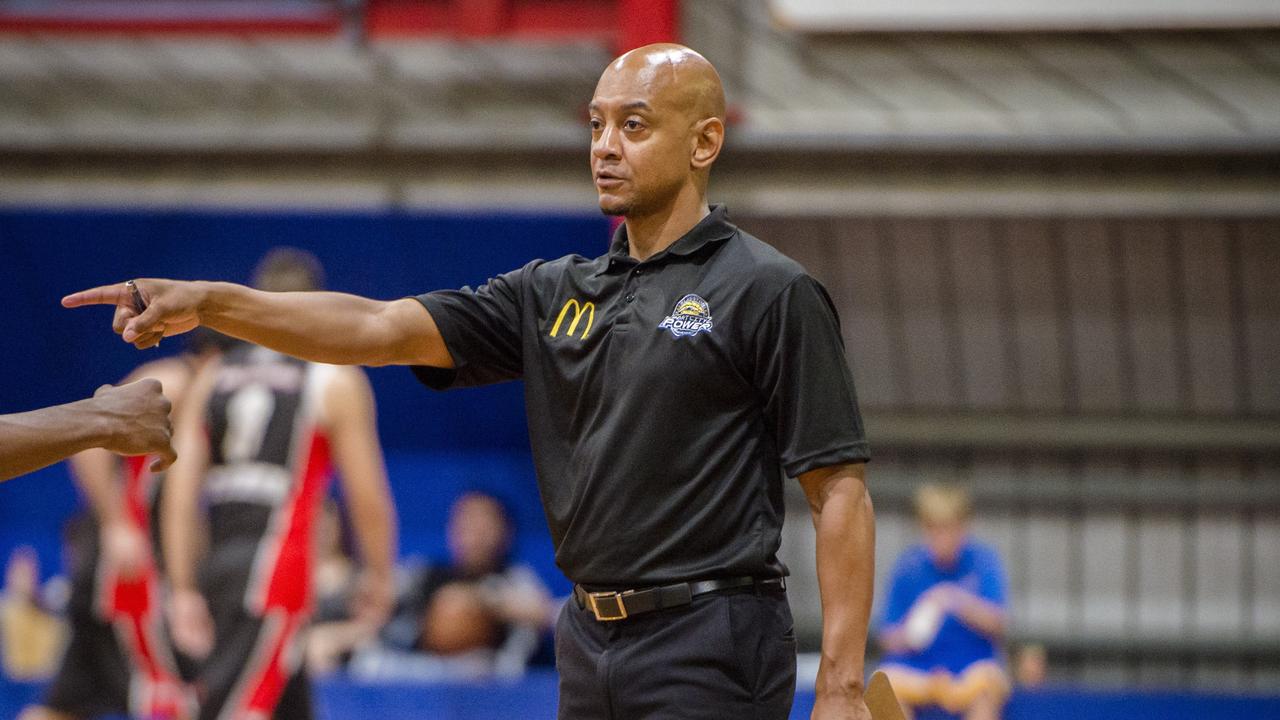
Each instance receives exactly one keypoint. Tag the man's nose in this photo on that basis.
(606, 146)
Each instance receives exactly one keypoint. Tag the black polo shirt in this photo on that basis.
(665, 398)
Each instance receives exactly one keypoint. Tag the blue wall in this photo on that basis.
(437, 443)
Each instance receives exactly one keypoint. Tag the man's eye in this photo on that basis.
(595, 124)
(631, 125)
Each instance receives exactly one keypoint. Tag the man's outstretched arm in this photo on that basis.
(130, 419)
(845, 524)
(324, 327)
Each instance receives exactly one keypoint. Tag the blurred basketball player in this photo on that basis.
(118, 661)
(256, 438)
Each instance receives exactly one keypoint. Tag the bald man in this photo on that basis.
(669, 383)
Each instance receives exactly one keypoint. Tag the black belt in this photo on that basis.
(620, 605)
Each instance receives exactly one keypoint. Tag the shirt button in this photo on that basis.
(639, 271)
(630, 297)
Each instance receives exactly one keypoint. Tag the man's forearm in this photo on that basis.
(845, 525)
(326, 327)
(318, 326)
(36, 439)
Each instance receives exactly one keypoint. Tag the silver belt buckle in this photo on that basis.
(607, 606)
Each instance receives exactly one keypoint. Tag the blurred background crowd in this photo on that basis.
(1051, 229)
(474, 613)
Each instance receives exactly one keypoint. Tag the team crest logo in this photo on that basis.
(691, 316)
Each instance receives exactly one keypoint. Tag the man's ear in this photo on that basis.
(708, 138)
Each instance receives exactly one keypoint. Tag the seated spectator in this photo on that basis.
(944, 619)
(31, 636)
(479, 615)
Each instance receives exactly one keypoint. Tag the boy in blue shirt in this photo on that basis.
(944, 618)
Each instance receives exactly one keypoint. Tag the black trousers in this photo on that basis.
(727, 656)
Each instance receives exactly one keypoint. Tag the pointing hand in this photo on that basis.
(171, 308)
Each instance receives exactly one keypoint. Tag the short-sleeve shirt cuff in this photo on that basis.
(438, 378)
(858, 452)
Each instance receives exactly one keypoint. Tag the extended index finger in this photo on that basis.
(116, 294)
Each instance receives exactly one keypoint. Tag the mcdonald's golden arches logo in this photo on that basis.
(579, 309)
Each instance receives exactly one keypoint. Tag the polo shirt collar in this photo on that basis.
(715, 227)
